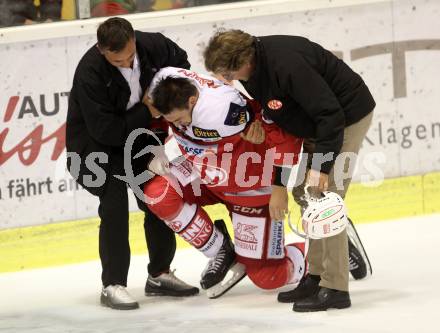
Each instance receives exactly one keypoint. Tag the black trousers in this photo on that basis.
(114, 248)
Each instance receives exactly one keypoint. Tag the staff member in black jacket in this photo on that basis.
(107, 102)
(310, 93)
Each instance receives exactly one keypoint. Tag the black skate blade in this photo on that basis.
(221, 288)
(356, 240)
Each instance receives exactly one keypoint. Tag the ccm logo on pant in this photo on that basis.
(248, 210)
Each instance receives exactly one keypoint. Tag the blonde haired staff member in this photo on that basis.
(310, 93)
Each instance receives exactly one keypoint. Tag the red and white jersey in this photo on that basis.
(212, 142)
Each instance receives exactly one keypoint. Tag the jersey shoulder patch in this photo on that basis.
(237, 115)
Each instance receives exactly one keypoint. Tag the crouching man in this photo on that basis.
(208, 119)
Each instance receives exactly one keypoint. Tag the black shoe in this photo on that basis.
(167, 284)
(325, 299)
(219, 266)
(359, 262)
(308, 286)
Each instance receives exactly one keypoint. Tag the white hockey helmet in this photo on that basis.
(325, 216)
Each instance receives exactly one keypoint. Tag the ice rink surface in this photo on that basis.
(402, 295)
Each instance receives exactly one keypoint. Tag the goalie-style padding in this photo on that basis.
(162, 198)
(259, 240)
(272, 274)
(296, 253)
(189, 221)
(201, 233)
(256, 235)
(259, 244)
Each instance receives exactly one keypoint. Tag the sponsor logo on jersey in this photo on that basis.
(237, 115)
(175, 225)
(247, 247)
(249, 235)
(202, 81)
(198, 231)
(211, 243)
(245, 239)
(274, 104)
(276, 240)
(210, 175)
(205, 133)
(185, 168)
(245, 233)
(194, 149)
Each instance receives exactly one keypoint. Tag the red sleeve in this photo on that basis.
(287, 146)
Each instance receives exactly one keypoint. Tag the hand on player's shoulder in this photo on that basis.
(255, 133)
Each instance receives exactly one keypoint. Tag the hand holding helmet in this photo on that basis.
(325, 215)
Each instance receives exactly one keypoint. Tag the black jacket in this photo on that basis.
(319, 93)
(97, 118)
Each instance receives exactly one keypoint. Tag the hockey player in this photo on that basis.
(207, 118)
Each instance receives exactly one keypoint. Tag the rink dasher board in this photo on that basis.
(405, 130)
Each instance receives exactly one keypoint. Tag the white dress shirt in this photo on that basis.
(132, 76)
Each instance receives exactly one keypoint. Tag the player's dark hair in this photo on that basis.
(172, 93)
(114, 34)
